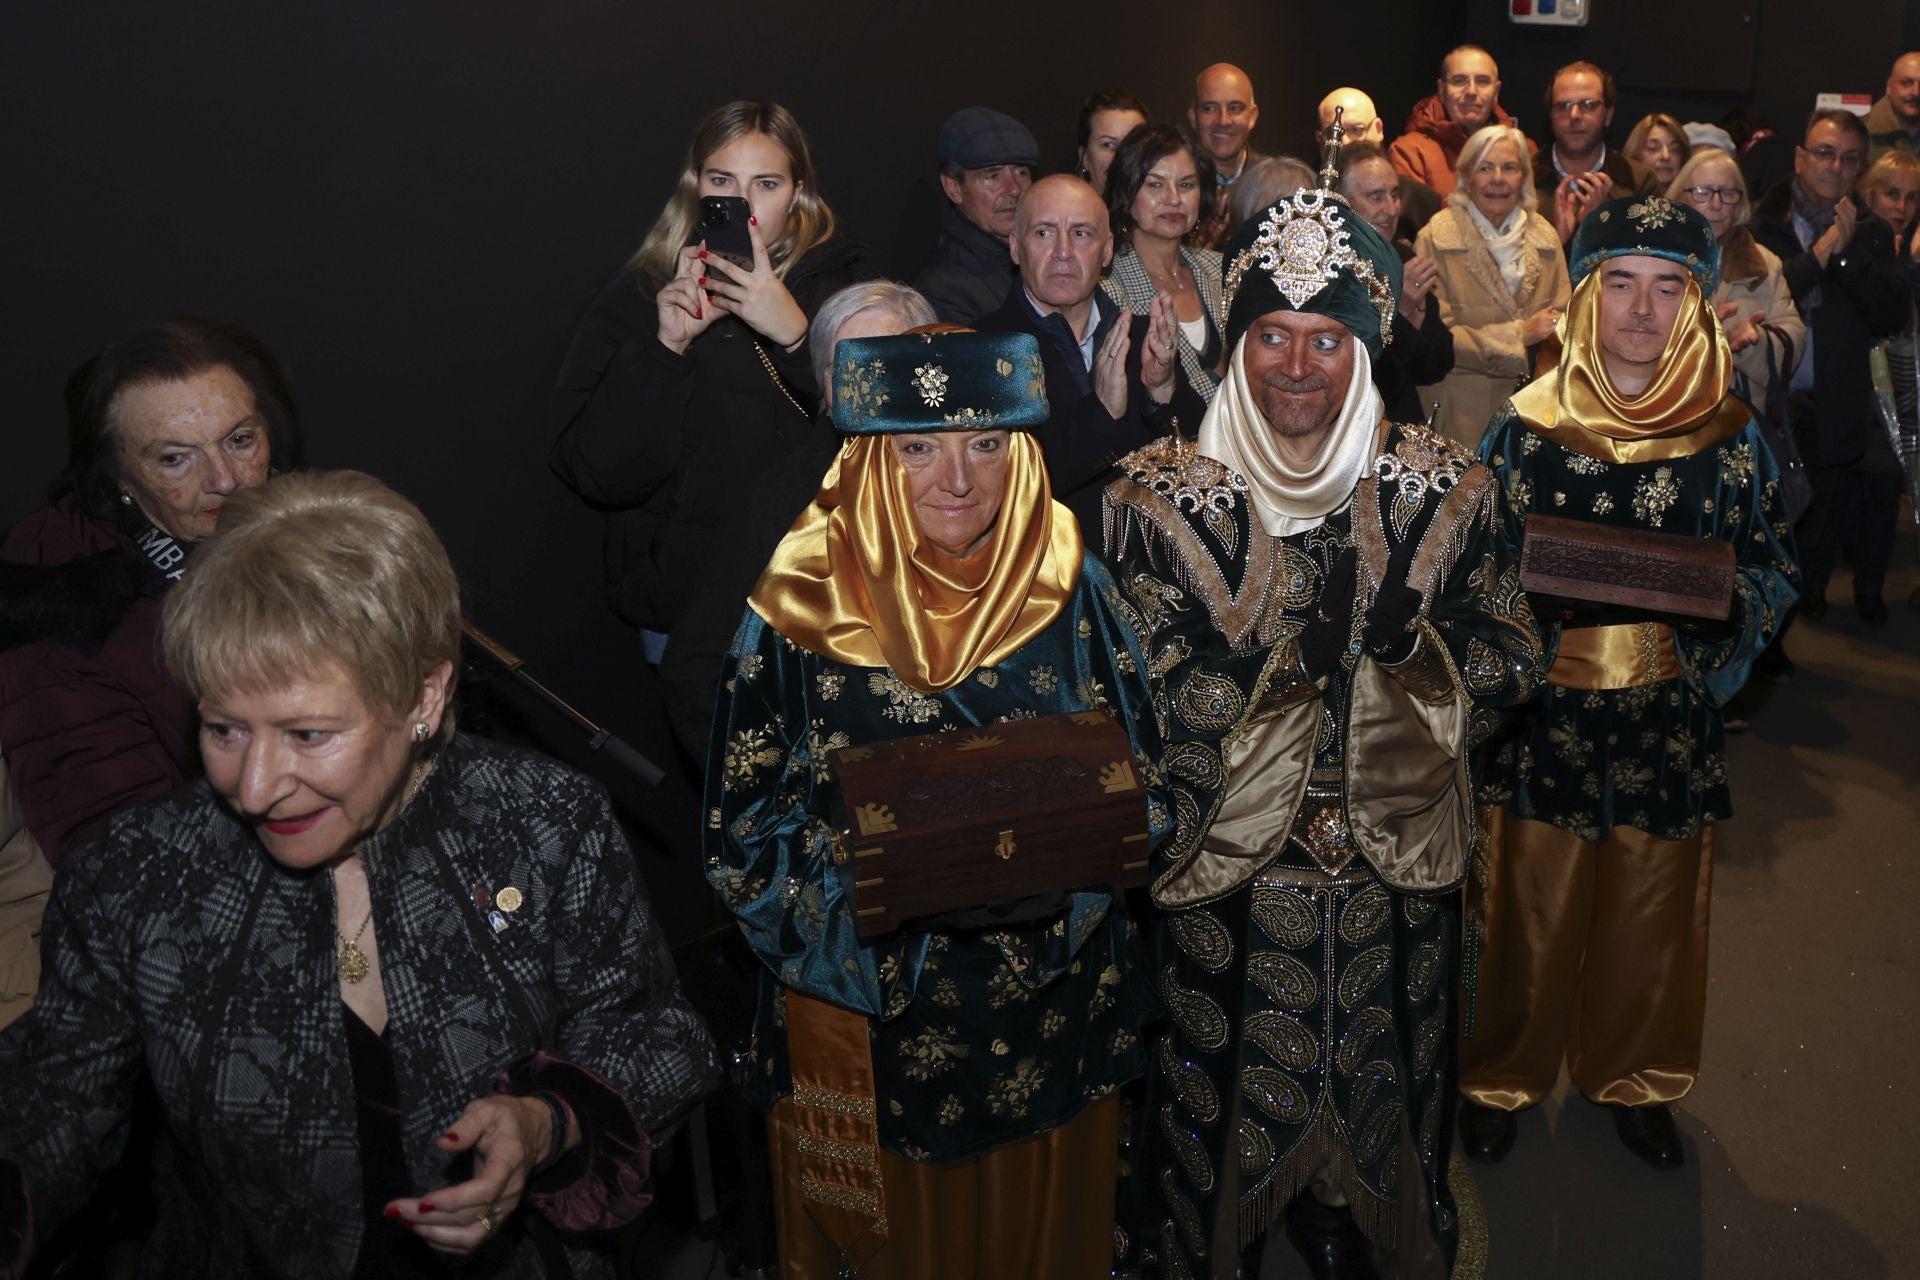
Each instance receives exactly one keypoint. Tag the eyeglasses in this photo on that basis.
(1585, 106)
(1828, 156)
(1729, 196)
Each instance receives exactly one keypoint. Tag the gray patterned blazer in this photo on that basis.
(174, 944)
(1128, 284)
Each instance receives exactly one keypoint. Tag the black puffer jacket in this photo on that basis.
(701, 462)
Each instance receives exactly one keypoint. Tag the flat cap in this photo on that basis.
(975, 137)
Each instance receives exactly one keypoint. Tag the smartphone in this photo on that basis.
(723, 225)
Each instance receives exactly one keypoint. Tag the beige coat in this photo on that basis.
(1489, 358)
(1768, 293)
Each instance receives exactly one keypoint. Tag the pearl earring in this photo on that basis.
(126, 499)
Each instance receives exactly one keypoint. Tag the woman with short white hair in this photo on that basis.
(1502, 282)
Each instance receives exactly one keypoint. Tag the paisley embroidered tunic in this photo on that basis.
(979, 1037)
(1651, 756)
(1309, 996)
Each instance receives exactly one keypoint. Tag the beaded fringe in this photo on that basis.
(1321, 1147)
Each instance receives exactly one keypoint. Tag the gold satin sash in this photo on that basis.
(836, 1123)
(854, 581)
(1624, 656)
(1684, 410)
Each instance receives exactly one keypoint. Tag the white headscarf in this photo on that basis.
(1505, 242)
(1290, 498)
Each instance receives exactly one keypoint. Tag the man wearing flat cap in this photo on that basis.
(1330, 613)
(987, 159)
(942, 1094)
(1602, 793)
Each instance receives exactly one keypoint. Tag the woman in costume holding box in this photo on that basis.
(941, 1097)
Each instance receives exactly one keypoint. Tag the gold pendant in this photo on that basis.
(353, 962)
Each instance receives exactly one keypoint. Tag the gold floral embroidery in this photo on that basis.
(1581, 465)
(829, 684)
(932, 1054)
(1652, 213)
(1736, 464)
(1010, 1093)
(1042, 680)
(930, 380)
(1653, 495)
(905, 703)
(1602, 503)
(750, 751)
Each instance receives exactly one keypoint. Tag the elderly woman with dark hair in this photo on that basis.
(162, 428)
(1159, 183)
(941, 1095)
(391, 985)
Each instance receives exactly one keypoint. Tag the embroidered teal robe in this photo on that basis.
(979, 1037)
(1652, 757)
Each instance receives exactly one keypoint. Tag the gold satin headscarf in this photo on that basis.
(1684, 409)
(855, 581)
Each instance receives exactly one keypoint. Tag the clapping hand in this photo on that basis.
(1110, 369)
(1577, 196)
(1741, 334)
(757, 295)
(1163, 349)
(1418, 275)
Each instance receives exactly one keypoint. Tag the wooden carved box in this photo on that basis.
(955, 820)
(1658, 572)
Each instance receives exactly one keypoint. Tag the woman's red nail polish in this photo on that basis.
(426, 1207)
(752, 221)
(698, 314)
(392, 1212)
(703, 254)
(703, 282)
(450, 1136)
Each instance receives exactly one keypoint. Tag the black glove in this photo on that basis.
(1330, 619)
(1388, 632)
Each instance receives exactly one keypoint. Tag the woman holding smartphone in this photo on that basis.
(685, 408)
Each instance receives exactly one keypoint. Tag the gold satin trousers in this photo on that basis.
(1597, 952)
(1043, 1207)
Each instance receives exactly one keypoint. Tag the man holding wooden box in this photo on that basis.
(1660, 560)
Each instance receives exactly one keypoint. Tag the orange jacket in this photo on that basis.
(1429, 149)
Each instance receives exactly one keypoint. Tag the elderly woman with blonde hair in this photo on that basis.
(1502, 282)
(398, 990)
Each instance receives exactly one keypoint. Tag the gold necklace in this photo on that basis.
(353, 963)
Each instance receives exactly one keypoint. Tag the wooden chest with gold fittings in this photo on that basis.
(956, 820)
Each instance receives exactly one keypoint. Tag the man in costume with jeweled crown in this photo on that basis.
(1330, 613)
(1601, 795)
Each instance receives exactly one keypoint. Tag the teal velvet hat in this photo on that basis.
(956, 380)
(1311, 252)
(1651, 225)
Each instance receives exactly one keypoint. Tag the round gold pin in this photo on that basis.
(508, 899)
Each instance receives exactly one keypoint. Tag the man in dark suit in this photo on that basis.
(1112, 380)
(1846, 280)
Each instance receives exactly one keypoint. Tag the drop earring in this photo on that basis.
(420, 731)
(126, 499)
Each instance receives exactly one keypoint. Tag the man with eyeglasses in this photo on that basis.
(1466, 97)
(1894, 122)
(1847, 283)
(1582, 174)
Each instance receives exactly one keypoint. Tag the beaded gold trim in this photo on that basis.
(863, 1154)
(844, 1198)
(826, 1100)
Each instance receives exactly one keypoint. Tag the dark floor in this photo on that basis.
(1804, 1129)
